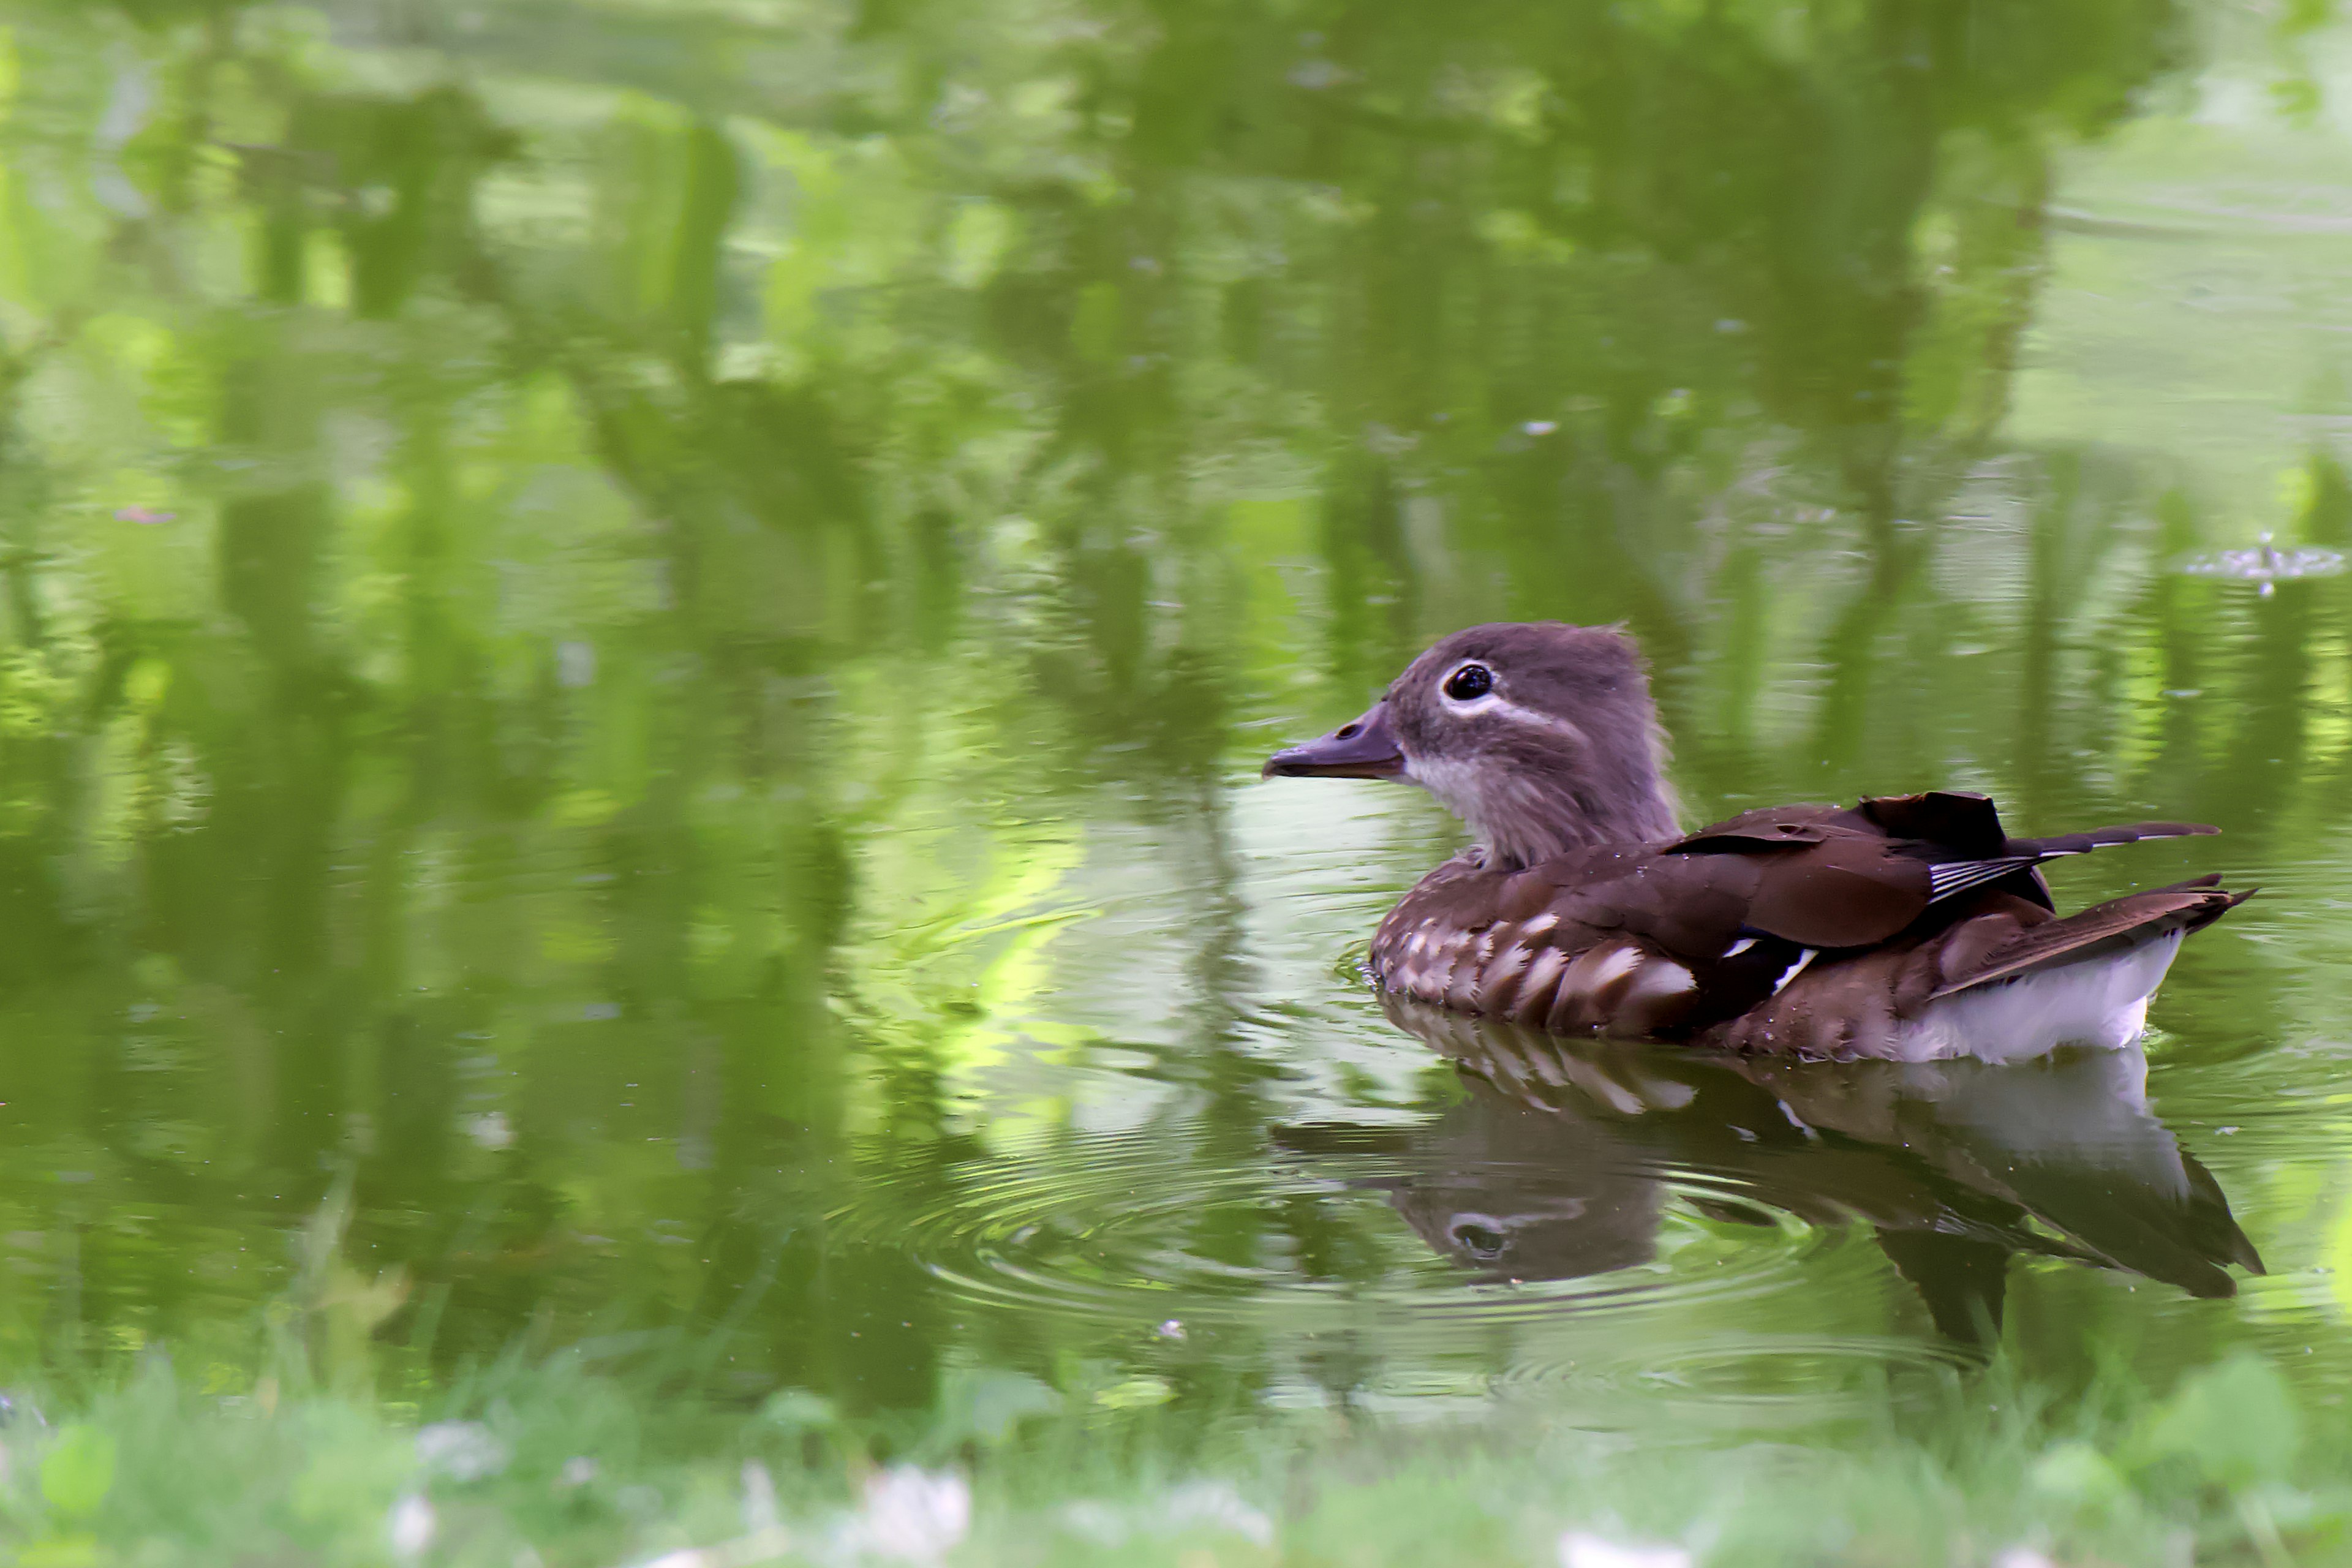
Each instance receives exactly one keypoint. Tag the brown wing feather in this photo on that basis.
(1842, 892)
(1770, 827)
(1966, 823)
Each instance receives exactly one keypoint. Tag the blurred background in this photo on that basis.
(634, 639)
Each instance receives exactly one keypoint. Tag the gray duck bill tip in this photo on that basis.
(1361, 749)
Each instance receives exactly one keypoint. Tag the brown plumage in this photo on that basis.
(1903, 926)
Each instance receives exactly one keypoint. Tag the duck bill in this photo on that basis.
(1361, 748)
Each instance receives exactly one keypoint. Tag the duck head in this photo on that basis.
(1539, 735)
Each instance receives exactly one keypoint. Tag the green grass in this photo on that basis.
(336, 1446)
(555, 1462)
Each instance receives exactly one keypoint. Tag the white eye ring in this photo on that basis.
(1487, 698)
(1491, 700)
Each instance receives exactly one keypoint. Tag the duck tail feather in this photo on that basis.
(2106, 838)
(2115, 926)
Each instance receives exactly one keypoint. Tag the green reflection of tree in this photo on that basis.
(568, 601)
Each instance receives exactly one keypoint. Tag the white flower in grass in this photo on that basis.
(1218, 1505)
(410, 1526)
(759, 1511)
(1103, 1523)
(461, 1450)
(913, 1514)
(1578, 1550)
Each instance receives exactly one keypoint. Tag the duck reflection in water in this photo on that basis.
(1557, 1165)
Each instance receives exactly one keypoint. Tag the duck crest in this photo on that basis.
(1905, 926)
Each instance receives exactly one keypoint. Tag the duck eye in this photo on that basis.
(1469, 683)
(1481, 1241)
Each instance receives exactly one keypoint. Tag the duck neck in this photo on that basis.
(1523, 817)
(1574, 820)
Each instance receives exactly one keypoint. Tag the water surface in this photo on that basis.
(637, 638)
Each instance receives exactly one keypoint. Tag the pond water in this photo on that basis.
(637, 638)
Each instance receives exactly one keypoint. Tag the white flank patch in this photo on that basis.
(2099, 1002)
(1501, 969)
(1541, 924)
(1620, 962)
(1541, 976)
(1736, 948)
(1795, 968)
(1659, 977)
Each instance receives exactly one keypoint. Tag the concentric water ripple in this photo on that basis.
(1762, 1381)
(1140, 1228)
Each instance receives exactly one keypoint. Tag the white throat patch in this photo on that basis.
(1509, 816)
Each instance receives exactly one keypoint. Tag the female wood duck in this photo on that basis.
(1910, 927)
